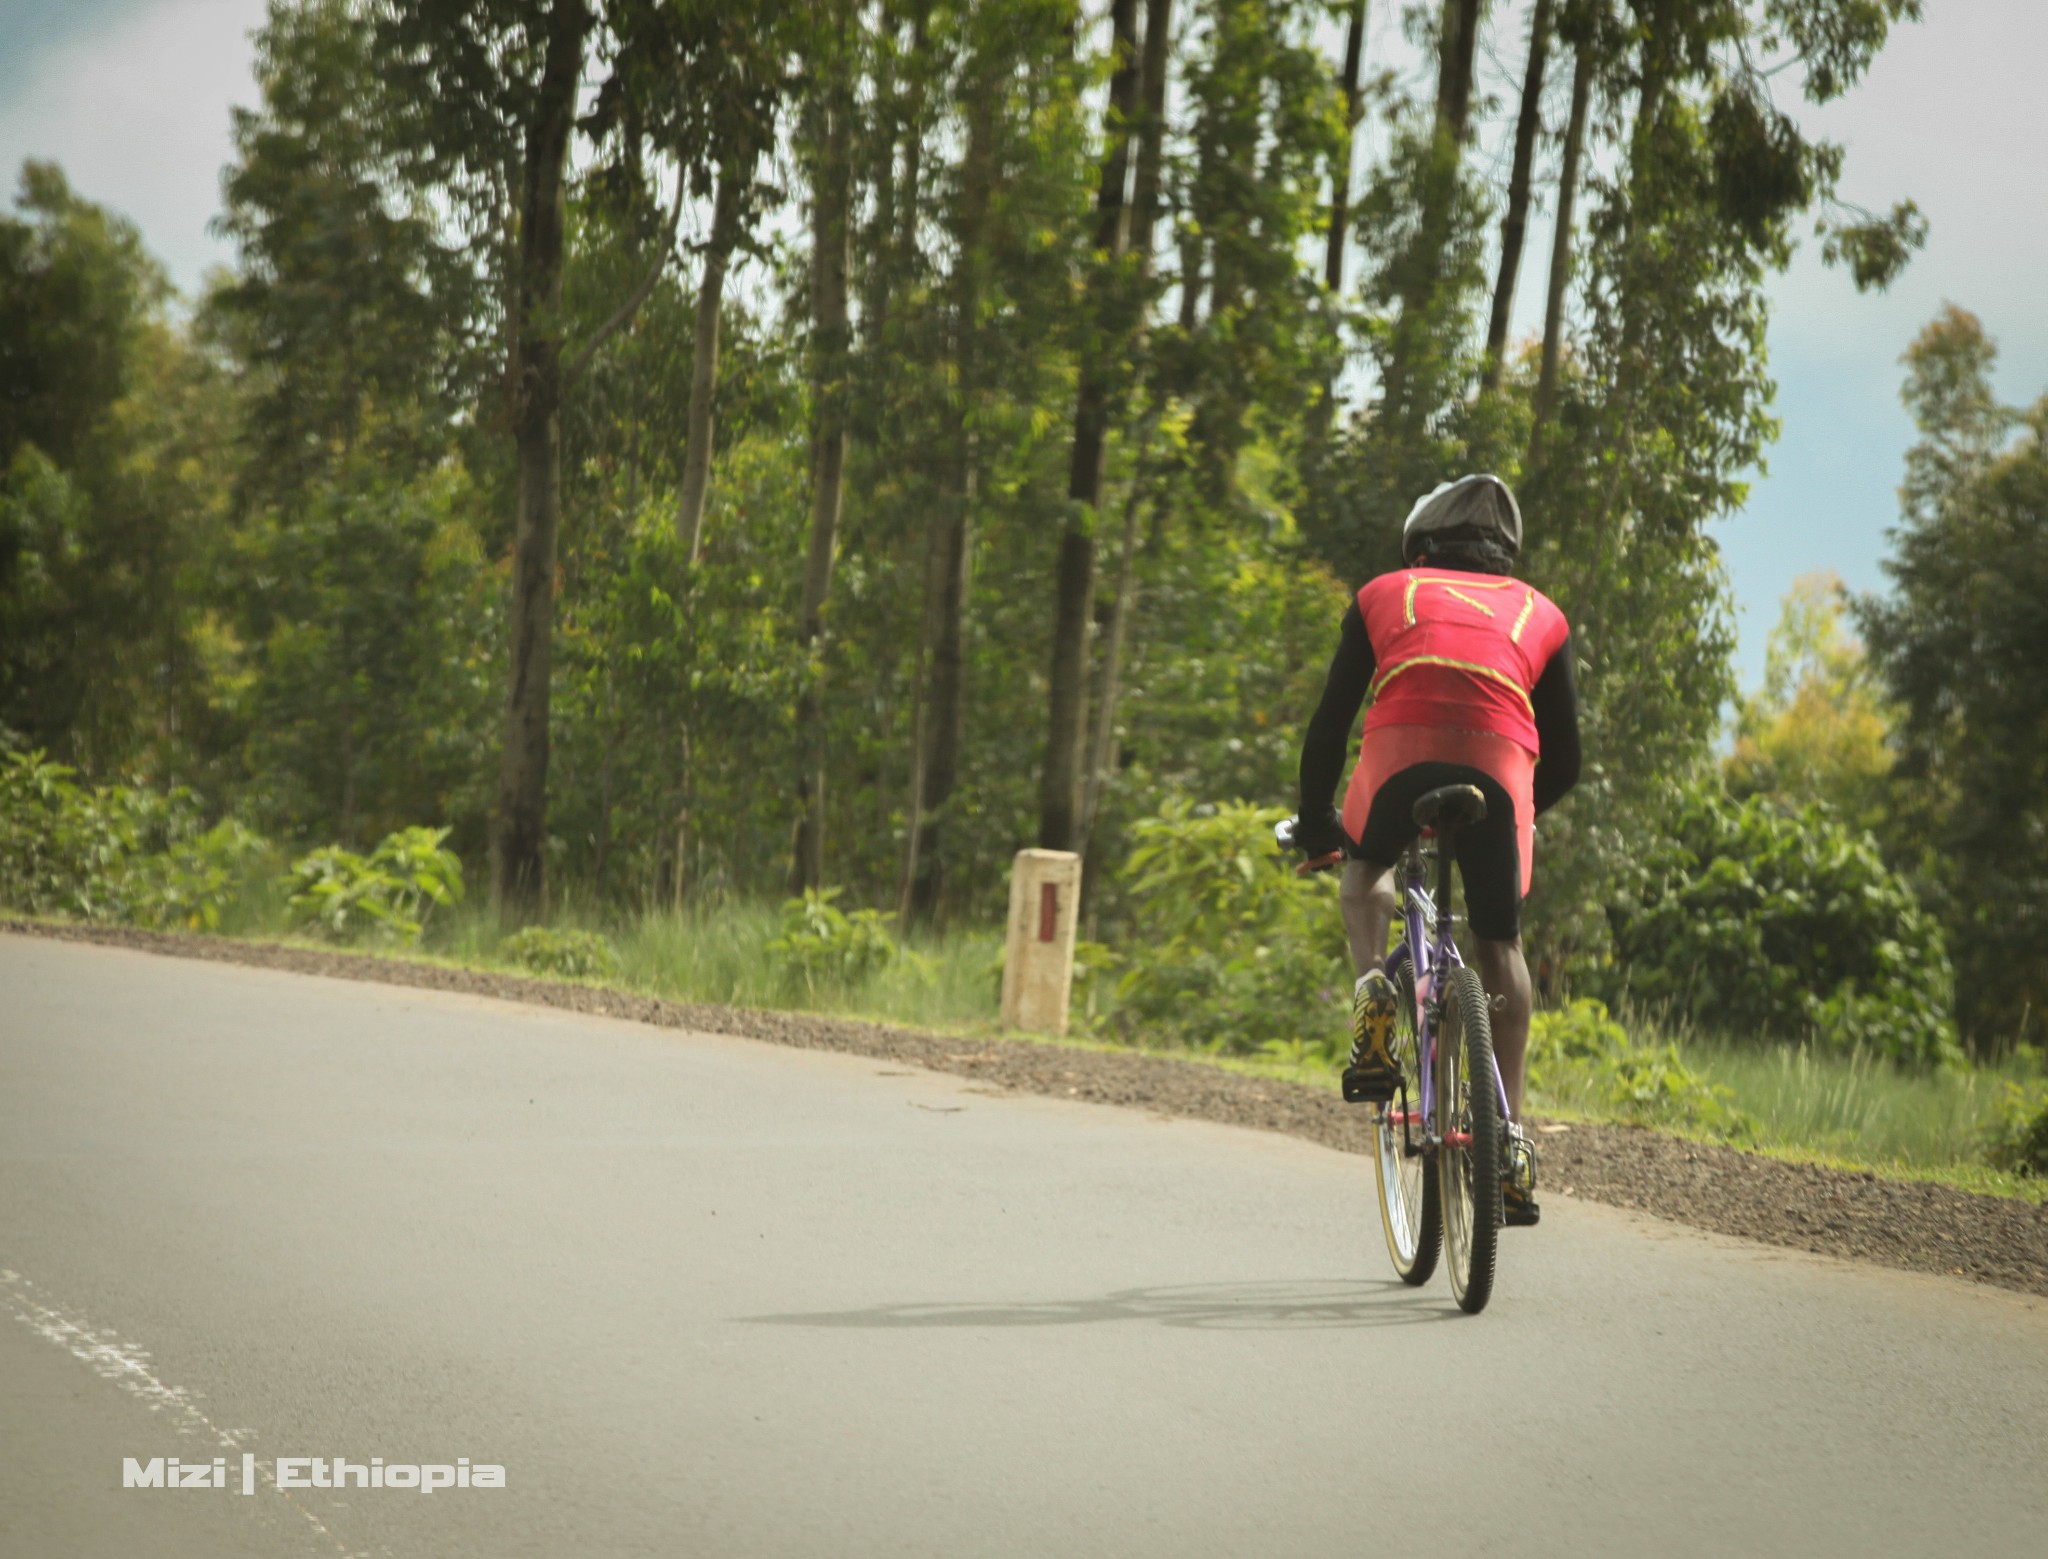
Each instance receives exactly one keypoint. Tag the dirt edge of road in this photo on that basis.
(1914, 1225)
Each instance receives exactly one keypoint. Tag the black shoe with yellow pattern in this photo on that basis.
(1372, 1077)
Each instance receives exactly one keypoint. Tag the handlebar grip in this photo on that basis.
(1321, 863)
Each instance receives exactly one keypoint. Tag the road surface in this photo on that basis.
(702, 1296)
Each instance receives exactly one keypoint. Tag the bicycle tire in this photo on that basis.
(1411, 1203)
(1468, 1107)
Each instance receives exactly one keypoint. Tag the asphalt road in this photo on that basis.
(702, 1296)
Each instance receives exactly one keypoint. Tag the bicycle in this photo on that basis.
(1443, 1040)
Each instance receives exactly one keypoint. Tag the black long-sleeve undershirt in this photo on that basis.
(1554, 700)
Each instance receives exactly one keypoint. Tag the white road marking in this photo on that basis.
(113, 1358)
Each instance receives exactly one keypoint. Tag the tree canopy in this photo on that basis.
(688, 448)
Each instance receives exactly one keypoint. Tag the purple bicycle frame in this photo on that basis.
(1426, 958)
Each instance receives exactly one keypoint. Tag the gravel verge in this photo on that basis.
(1914, 1225)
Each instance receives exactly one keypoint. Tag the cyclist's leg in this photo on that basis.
(1489, 862)
(1505, 974)
(1370, 901)
(1369, 894)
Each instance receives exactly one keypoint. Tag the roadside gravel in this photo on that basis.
(1909, 1224)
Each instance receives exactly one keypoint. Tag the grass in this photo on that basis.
(1848, 1110)
(718, 952)
(1845, 1109)
(1856, 1106)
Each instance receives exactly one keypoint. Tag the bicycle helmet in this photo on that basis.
(1473, 511)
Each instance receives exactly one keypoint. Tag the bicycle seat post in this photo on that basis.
(1445, 810)
(1446, 852)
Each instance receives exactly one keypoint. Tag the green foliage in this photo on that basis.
(1770, 923)
(1958, 641)
(1580, 1055)
(823, 948)
(1876, 249)
(364, 667)
(570, 954)
(1817, 730)
(199, 882)
(1225, 948)
(118, 852)
(107, 462)
(387, 895)
(2018, 1139)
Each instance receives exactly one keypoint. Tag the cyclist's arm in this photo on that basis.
(1555, 700)
(1329, 729)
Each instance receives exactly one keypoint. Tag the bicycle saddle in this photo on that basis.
(1450, 806)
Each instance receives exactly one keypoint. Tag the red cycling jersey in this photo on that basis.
(1458, 650)
(1457, 655)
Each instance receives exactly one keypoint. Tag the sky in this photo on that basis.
(132, 97)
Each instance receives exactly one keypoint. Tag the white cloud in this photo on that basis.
(136, 111)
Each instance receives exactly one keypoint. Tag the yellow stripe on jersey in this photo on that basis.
(1379, 682)
(1522, 621)
(1453, 590)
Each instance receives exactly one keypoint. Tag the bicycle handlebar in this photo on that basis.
(1283, 836)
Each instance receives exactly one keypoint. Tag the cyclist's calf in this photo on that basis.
(1370, 902)
(1505, 973)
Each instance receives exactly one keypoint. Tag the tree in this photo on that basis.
(1959, 640)
(1818, 729)
(110, 467)
(1527, 124)
(1340, 167)
(349, 314)
(831, 111)
(1106, 329)
(501, 85)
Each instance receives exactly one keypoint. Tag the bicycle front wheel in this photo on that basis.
(1411, 1210)
(1469, 1122)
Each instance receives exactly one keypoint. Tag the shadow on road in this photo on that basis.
(1307, 1305)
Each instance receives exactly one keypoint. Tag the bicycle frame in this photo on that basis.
(1427, 944)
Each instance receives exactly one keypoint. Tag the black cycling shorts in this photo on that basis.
(1489, 857)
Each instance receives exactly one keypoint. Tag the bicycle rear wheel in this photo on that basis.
(1411, 1207)
(1468, 1162)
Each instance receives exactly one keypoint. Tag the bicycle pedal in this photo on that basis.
(1365, 1086)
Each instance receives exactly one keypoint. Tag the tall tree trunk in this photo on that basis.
(1144, 227)
(1151, 133)
(536, 430)
(1101, 748)
(951, 537)
(945, 706)
(830, 258)
(700, 430)
(1458, 41)
(1454, 68)
(1527, 127)
(1561, 242)
(935, 739)
(1340, 164)
(1059, 789)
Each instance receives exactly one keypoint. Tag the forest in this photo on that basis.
(655, 455)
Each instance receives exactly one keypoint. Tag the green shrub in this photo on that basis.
(118, 852)
(1771, 923)
(1226, 948)
(822, 947)
(1580, 1054)
(2019, 1135)
(572, 955)
(198, 881)
(388, 895)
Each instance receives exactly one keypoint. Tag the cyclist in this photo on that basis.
(1470, 675)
